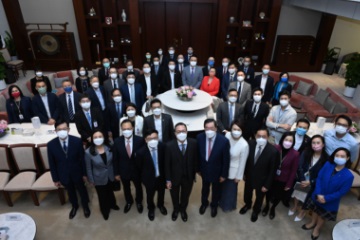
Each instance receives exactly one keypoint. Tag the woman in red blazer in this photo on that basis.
(211, 84)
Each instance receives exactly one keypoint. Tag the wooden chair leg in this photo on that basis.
(359, 195)
(7, 197)
(34, 198)
(61, 196)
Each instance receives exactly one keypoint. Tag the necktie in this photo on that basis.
(245, 69)
(128, 148)
(118, 110)
(156, 69)
(209, 148)
(64, 146)
(253, 111)
(133, 94)
(153, 155)
(70, 109)
(115, 84)
(192, 73)
(183, 149)
(239, 92)
(224, 71)
(257, 155)
(231, 78)
(180, 68)
(231, 114)
(88, 117)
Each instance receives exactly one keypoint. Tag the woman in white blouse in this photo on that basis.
(136, 120)
(239, 151)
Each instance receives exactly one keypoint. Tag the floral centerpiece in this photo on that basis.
(3, 127)
(185, 93)
(354, 128)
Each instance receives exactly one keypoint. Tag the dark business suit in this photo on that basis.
(114, 117)
(25, 108)
(63, 106)
(139, 95)
(158, 72)
(153, 82)
(80, 85)
(269, 87)
(249, 73)
(39, 109)
(134, 71)
(95, 102)
(125, 167)
(180, 170)
(166, 80)
(167, 126)
(82, 124)
(222, 115)
(215, 167)
(109, 86)
(259, 174)
(147, 173)
(205, 70)
(169, 57)
(225, 84)
(103, 74)
(254, 123)
(179, 67)
(220, 72)
(69, 168)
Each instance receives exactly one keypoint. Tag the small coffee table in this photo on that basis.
(17, 225)
(347, 229)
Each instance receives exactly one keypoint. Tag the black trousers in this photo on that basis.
(248, 192)
(106, 197)
(159, 187)
(71, 188)
(277, 192)
(180, 194)
(215, 193)
(127, 191)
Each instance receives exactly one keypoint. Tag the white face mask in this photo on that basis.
(236, 133)
(146, 70)
(95, 84)
(231, 70)
(160, 52)
(193, 63)
(240, 78)
(232, 99)
(117, 99)
(85, 105)
(171, 67)
(181, 137)
(129, 68)
(156, 63)
(261, 141)
(157, 111)
(113, 75)
(225, 64)
(131, 113)
(210, 133)
(39, 74)
(127, 133)
(284, 102)
(82, 73)
(246, 64)
(265, 71)
(153, 143)
(257, 98)
(131, 81)
(340, 129)
(98, 141)
(180, 60)
(171, 52)
(62, 134)
(340, 161)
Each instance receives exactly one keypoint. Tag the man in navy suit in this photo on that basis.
(248, 70)
(97, 95)
(223, 69)
(67, 166)
(132, 92)
(69, 102)
(214, 160)
(188, 55)
(266, 83)
(45, 104)
(116, 110)
(124, 164)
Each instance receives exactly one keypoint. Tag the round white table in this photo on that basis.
(348, 229)
(17, 226)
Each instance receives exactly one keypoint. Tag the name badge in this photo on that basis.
(95, 124)
(248, 76)
(21, 117)
(278, 172)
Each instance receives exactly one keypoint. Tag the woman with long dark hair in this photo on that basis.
(18, 106)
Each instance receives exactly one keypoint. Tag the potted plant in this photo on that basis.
(2, 72)
(10, 45)
(330, 60)
(352, 77)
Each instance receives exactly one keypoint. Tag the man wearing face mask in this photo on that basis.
(67, 166)
(104, 71)
(255, 114)
(228, 111)
(160, 55)
(114, 82)
(188, 55)
(214, 161)
(69, 102)
(266, 83)
(148, 82)
(248, 70)
(97, 94)
(181, 163)
(132, 92)
(148, 59)
(222, 70)
(130, 69)
(45, 104)
(228, 78)
(180, 63)
(192, 74)
(88, 119)
(281, 117)
(38, 77)
(150, 162)
(116, 110)
(125, 168)
(259, 172)
(210, 64)
(162, 122)
(170, 56)
(157, 70)
(340, 137)
(243, 88)
(302, 140)
(171, 78)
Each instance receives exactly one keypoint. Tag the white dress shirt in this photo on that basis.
(298, 141)
(158, 126)
(172, 77)
(46, 104)
(148, 84)
(263, 82)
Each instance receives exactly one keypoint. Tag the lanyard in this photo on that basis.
(18, 106)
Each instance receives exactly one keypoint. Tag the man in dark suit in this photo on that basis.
(125, 168)
(45, 105)
(150, 162)
(88, 119)
(171, 78)
(255, 114)
(248, 70)
(180, 168)
(188, 55)
(179, 63)
(266, 83)
(302, 140)
(67, 166)
(158, 70)
(259, 171)
(103, 73)
(223, 69)
(170, 56)
(228, 78)
(210, 64)
(69, 102)
(214, 161)
(162, 122)
(132, 92)
(148, 82)
(115, 81)
(97, 95)
(130, 69)
(227, 112)
(116, 110)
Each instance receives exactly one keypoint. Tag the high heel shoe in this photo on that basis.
(313, 237)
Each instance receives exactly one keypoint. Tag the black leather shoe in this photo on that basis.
(213, 212)
(139, 207)
(163, 210)
(272, 213)
(151, 215)
(106, 216)
(174, 215)
(87, 212)
(127, 207)
(202, 209)
(244, 209)
(265, 210)
(72, 213)
(254, 217)
(184, 216)
(116, 207)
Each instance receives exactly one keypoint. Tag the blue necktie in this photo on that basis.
(133, 94)
(88, 117)
(154, 157)
(118, 110)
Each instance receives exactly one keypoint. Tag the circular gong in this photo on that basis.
(48, 44)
